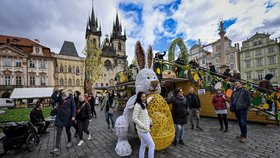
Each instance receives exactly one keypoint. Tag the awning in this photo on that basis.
(35, 93)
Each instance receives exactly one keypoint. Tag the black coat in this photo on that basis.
(193, 101)
(36, 116)
(179, 110)
(84, 111)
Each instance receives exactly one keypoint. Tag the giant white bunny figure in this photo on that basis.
(147, 82)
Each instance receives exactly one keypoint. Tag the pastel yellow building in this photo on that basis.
(69, 73)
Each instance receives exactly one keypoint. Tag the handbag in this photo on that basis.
(111, 111)
(227, 105)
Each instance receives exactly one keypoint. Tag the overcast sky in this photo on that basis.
(155, 22)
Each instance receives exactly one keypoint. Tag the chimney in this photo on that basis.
(36, 40)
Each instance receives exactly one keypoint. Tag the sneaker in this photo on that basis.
(199, 128)
(226, 130)
(192, 127)
(181, 142)
(242, 139)
(55, 151)
(90, 120)
(69, 144)
(89, 137)
(175, 142)
(80, 142)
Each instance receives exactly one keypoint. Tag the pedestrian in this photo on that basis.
(143, 122)
(77, 103)
(239, 104)
(83, 117)
(195, 108)
(37, 119)
(86, 97)
(219, 103)
(110, 103)
(212, 68)
(179, 113)
(91, 100)
(65, 116)
(97, 100)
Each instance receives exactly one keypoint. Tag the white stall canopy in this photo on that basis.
(26, 93)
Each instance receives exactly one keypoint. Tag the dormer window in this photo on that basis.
(37, 50)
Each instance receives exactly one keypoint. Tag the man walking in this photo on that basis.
(195, 108)
(239, 104)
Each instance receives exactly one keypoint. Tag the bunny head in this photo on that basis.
(146, 79)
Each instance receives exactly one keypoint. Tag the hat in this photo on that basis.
(268, 76)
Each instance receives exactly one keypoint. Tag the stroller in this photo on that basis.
(19, 134)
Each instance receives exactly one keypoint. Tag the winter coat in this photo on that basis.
(240, 100)
(36, 116)
(66, 110)
(193, 100)
(84, 111)
(141, 118)
(179, 110)
(219, 102)
(92, 101)
(105, 103)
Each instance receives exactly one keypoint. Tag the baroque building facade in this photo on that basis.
(259, 56)
(113, 51)
(69, 68)
(24, 63)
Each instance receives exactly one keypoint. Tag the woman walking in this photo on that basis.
(179, 113)
(91, 100)
(219, 103)
(83, 117)
(143, 122)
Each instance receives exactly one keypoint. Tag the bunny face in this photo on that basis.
(147, 82)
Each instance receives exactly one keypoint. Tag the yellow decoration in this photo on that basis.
(158, 70)
(278, 105)
(123, 78)
(163, 130)
(265, 106)
(196, 77)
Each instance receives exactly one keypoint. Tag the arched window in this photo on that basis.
(77, 70)
(69, 69)
(69, 82)
(77, 82)
(120, 46)
(61, 82)
(61, 68)
(108, 65)
(73, 69)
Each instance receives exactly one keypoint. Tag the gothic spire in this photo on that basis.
(92, 26)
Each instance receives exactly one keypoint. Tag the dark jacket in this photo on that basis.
(212, 68)
(179, 110)
(36, 116)
(267, 85)
(66, 110)
(193, 100)
(92, 101)
(84, 111)
(240, 100)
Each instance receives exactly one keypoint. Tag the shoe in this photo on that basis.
(221, 129)
(90, 120)
(199, 128)
(95, 116)
(55, 151)
(76, 135)
(80, 142)
(69, 144)
(108, 126)
(181, 142)
(192, 127)
(226, 130)
(113, 130)
(238, 137)
(89, 137)
(242, 139)
(175, 142)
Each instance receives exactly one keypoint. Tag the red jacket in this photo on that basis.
(219, 102)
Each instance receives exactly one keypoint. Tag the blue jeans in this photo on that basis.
(241, 116)
(179, 133)
(111, 117)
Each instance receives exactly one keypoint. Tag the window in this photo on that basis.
(258, 52)
(32, 81)
(69, 82)
(107, 84)
(18, 63)
(259, 42)
(77, 82)
(37, 50)
(247, 54)
(18, 80)
(61, 68)
(260, 75)
(231, 66)
(120, 46)
(31, 63)
(69, 69)
(249, 75)
(96, 84)
(61, 82)
(43, 80)
(42, 64)
(7, 80)
(255, 43)
(271, 49)
(104, 75)
(271, 60)
(218, 48)
(7, 62)
(259, 62)
(77, 70)
(101, 84)
(231, 56)
(272, 71)
(247, 63)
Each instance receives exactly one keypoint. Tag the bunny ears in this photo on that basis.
(141, 57)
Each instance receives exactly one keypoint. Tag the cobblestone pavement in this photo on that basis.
(263, 141)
